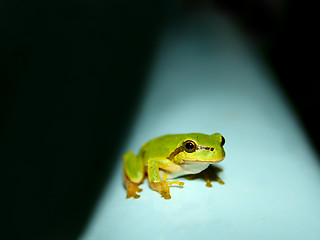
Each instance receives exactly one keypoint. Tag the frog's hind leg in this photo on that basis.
(133, 174)
(131, 187)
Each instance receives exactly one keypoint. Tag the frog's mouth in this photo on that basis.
(202, 161)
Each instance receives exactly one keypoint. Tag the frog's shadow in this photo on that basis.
(210, 174)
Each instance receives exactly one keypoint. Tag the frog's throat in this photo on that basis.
(180, 149)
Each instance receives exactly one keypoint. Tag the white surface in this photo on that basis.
(206, 78)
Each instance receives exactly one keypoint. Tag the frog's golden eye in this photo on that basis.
(189, 146)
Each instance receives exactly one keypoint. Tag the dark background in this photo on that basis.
(71, 75)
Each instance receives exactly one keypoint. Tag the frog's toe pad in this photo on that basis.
(208, 184)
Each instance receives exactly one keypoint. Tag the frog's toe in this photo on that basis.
(134, 195)
(166, 195)
(208, 183)
(219, 180)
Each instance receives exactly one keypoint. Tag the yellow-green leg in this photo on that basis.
(133, 174)
(156, 184)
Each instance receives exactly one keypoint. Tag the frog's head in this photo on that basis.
(198, 147)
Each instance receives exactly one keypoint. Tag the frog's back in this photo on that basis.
(161, 147)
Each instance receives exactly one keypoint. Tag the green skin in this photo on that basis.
(170, 155)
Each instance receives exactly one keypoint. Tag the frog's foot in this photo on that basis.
(162, 188)
(172, 182)
(211, 176)
(132, 188)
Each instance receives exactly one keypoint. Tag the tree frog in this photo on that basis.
(170, 156)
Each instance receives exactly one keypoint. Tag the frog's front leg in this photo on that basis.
(156, 184)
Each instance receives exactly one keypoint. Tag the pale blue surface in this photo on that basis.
(206, 78)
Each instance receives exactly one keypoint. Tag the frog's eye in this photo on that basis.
(189, 146)
(222, 141)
